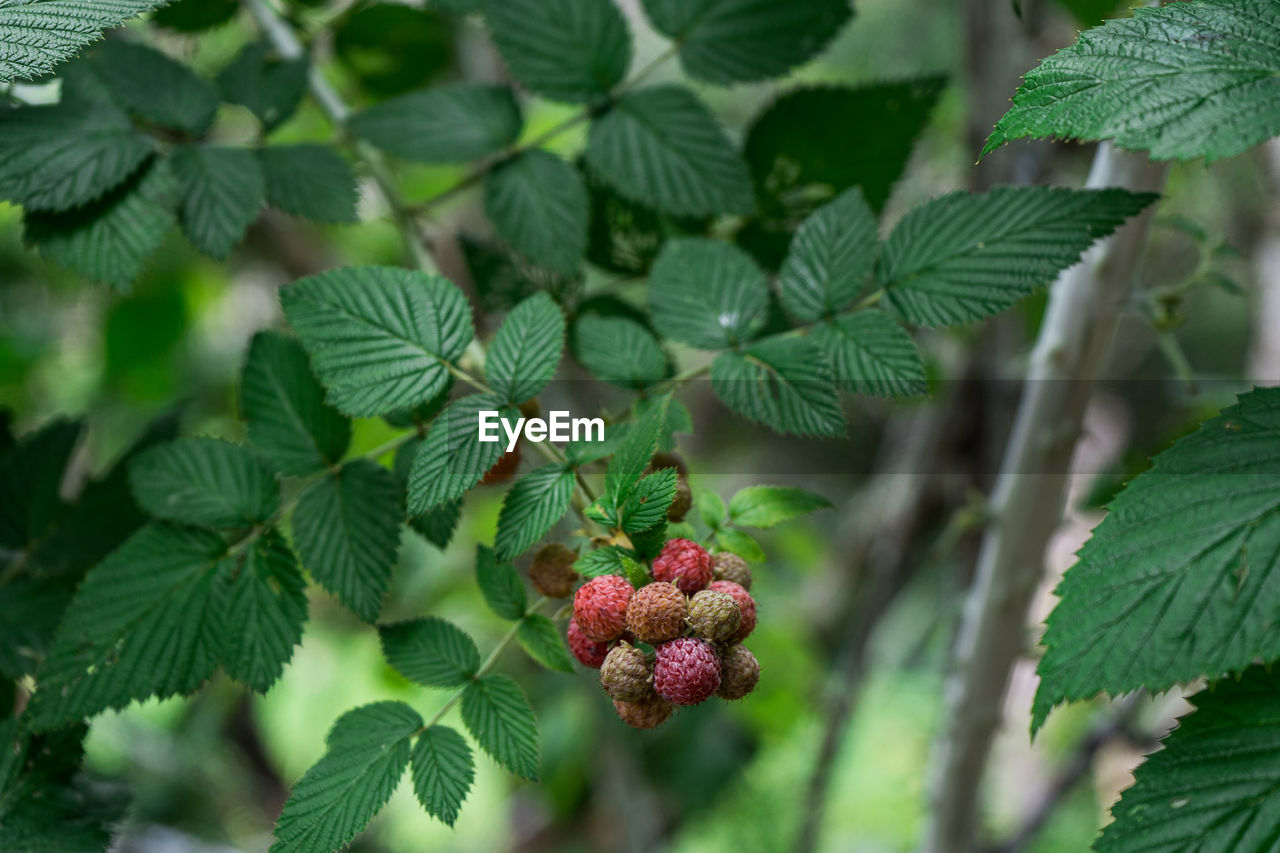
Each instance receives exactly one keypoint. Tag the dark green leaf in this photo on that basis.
(566, 50)
(503, 279)
(734, 41)
(1176, 581)
(393, 48)
(443, 771)
(531, 508)
(830, 258)
(1183, 81)
(204, 481)
(871, 353)
(347, 530)
(30, 475)
(526, 351)
(619, 351)
(154, 87)
(632, 458)
(271, 88)
(367, 752)
(539, 637)
(661, 147)
(963, 257)
(766, 506)
(498, 715)
(284, 406)
(311, 181)
(193, 16)
(538, 204)
(783, 383)
(500, 584)
(624, 237)
(451, 458)
(38, 34)
(430, 651)
(111, 239)
(379, 337)
(452, 123)
(707, 293)
(222, 192)
(261, 604)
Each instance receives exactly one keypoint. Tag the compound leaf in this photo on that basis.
(379, 337)
(830, 258)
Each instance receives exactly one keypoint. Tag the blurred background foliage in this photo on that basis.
(211, 772)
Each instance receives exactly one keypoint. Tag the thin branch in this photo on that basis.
(1027, 503)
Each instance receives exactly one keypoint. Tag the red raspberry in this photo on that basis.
(739, 672)
(746, 604)
(687, 671)
(656, 613)
(728, 566)
(600, 607)
(683, 563)
(647, 713)
(587, 651)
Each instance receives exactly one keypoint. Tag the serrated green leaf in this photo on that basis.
(539, 637)
(538, 204)
(707, 293)
(111, 239)
(633, 455)
(1214, 787)
(532, 507)
(870, 353)
(139, 626)
(736, 41)
(311, 181)
(270, 87)
(783, 383)
(830, 258)
(741, 544)
(1176, 581)
(565, 50)
(38, 34)
(260, 601)
(619, 351)
(347, 531)
(452, 123)
(963, 257)
(500, 585)
(30, 474)
(710, 508)
(56, 158)
(606, 560)
(766, 506)
(451, 458)
(193, 16)
(379, 337)
(443, 771)
(661, 147)
(204, 481)
(526, 351)
(436, 525)
(648, 504)
(283, 405)
(499, 717)
(367, 752)
(1183, 81)
(154, 87)
(222, 192)
(430, 651)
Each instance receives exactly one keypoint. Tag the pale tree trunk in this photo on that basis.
(1026, 505)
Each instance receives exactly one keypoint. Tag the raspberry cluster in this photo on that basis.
(694, 615)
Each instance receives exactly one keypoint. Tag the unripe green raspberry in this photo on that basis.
(552, 571)
(739, 672)
(656, 613)
(727, 566)
(714, 615)
(649, 712)
(627, 673)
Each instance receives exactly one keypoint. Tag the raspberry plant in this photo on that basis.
(765, 270)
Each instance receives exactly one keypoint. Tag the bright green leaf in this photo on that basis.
(707, 293)
(741, 544)
(451, 123)
(500, 584)
(531, 508)
(710, 507)
(430, 651)
(222, 192)
(443, 771)
(632, 457)
(783, 383)
(204, 481)
(661, 147)
(606, 560)
(539, 637)
(379, 337)
(498, 715)
(766, 506)
(347, 531)
(648, 504)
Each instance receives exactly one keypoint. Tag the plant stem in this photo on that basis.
(1027, 503)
